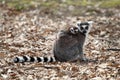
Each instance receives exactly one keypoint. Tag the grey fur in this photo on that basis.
(68, 47)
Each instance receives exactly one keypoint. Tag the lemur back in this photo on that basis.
(67, 47)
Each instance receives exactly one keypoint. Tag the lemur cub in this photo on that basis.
(67, 47)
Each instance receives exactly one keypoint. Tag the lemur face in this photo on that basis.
(74, 30)
(84, 27)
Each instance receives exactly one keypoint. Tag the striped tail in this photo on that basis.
(22, 59)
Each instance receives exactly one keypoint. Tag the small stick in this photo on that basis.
(113, 49)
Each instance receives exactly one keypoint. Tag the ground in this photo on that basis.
(32, 32)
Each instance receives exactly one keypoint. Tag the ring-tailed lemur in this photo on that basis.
(67, 47)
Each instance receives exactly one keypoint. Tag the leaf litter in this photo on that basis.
(29, 33)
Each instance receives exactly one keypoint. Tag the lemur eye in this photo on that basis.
(81, 28)
(86, 27)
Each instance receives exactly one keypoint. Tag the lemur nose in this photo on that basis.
(84, 31)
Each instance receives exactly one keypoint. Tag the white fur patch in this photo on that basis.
(53, 59)
(90, 22)
(84, 26)
(28, 58)
(21, 59)
(49, 58)
(35, 58)
(42, 59)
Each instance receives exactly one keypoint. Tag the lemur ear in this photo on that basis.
(90, 22)
(78, 23)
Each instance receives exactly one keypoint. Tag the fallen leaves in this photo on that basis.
(30, 34)
(2, 55)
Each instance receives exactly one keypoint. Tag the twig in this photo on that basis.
(113, 49)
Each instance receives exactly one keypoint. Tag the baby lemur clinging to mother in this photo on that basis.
(67, 47)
